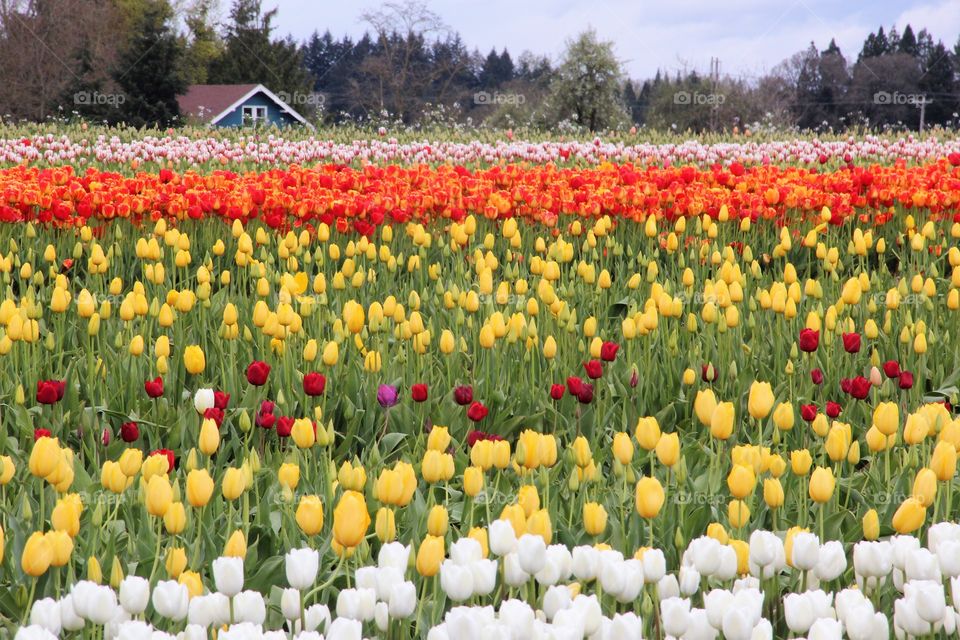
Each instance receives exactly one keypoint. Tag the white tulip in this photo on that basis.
(832, 561)
(228, 575)
(395, 555)
(202, 400)
(171, 600)
(456, 581)
(69, 619)
(484, 576)
(555, 599)
(302, 566)
(46, 613)
(249, 606)
(403, 600)
(532, 553)
(290, 604)
(806, 551)
(518, 616)
(135, 630)
(675, 615)
(584, 562)
(655, 565)
(716, 603)
(513, 573)
(501, 538)
(33, 632)
(134, 595)
(466, 550)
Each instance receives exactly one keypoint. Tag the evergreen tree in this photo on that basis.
(908, 42)
(149, 72)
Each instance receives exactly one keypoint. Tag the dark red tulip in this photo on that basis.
(314, 384)
(608, 351)
(860, 387)
(221, 400)
(808, 412)
(816, 376)
(257, 372)
(809, 340)
(851, 342)
(556, 391)
(585, 394)
(265, 418)
(634, 378)
(593, 368)
(50, 391)
(845, 385)
(477, 412)
(833, 409)
(891, 368)
(906, 380)
(129, 432)
(284, 426)
(463, 395)
(154, 388)
(476, 435)
(41, 433)
(418, 392)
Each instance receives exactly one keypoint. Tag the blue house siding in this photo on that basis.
(275, 115)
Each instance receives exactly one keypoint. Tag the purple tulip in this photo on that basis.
(387, 396)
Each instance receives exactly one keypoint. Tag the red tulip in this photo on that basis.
(476, 435)
(265, 418)
(129, 432)
(284, 426)
(851, 342)
(221, 400)
(608, 351)
(41, 433)
(477, 412)
(816, 376)
(557, 391)
(154, 388)
(573, 385)
(891, 368)
(833, 409)
(463, 395)
(418, 392)
(50, 391)
(314, 384)
(594, 369)
(859, 387)
(809, 340)
(215, 414)
(808, 412)
(257, 373)
(906, 380)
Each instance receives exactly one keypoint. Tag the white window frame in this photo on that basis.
(254, 115)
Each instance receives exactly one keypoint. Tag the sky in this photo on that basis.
(750, 37)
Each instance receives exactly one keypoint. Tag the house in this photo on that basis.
(237, 105)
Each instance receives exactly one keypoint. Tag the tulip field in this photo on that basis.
(549, 390)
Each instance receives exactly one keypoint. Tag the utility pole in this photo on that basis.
(922, 103)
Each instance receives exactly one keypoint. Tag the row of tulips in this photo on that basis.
(359, 200)
(524, 588)
(119, 148)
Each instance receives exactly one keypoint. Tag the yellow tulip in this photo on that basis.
(704, 405)
(722, 421)
(741, 481)
(288, 475)
(437, 520)
(350, 519)
(925, 486)
(783, 416)
(7, 469)
(233, 484)
(738, 513)
(649, 497)
(44, 457)
(303, 433)
(37, 555)
(594, 518)
(472, 481)
(159, 496)
(310, 515)
(668, 449)
(175, 519)
(539, 524)
(622, 448)
(194, 360)
(430, 555)
(871, 525)
(236, 546)
(648, 433)
(822, 484)
(209, 437)
(944, 461)
(199, 488)
(800, 462)
(886, 417)
(773, 493)
(909, 516)
(386, 525)
(760, 400)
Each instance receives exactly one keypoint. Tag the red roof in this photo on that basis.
(204, 101)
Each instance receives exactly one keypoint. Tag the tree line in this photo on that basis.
(127, 60)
